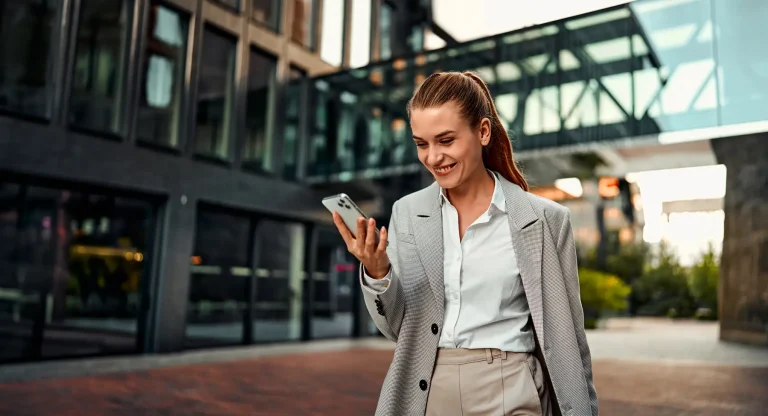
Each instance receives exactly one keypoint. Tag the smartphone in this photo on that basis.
(348, 211)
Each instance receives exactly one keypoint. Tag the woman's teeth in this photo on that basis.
(444, 169)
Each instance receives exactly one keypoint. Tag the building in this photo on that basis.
(151, 191)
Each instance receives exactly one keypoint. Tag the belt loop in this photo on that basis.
(488, 356)
(503, 355)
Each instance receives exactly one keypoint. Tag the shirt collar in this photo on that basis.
(498, 201)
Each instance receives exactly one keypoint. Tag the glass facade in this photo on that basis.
(262, 79)
(162, 96)
(293, 117)
(72, 271)
(385, 31)
(304, 23)
(216, 94)
(267, 12)
(100, 70)
(26, 28)
(332, 40)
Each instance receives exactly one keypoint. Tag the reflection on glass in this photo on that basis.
(220, 274)
(215, 96)
(162, 96)
(360, 52)
(304, 20)
(25, 36)
(743, 78)
(267, 12)
(71, 272)
(332, 41)
(292, 126)
(280, 282)
(99, 70)
(334, 288)
(232, 4)
(385, 32)
(259, 111)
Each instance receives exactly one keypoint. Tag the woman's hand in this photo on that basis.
(373, 255)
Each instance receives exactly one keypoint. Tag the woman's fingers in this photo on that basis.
(344, 231)
(360, 237)
(382, 240)
(370, 237)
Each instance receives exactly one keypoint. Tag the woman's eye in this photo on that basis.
(446, 141)
(421, 145)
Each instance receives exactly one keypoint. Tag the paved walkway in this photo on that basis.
(690, 374)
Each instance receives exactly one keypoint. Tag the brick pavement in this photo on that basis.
(347, 382)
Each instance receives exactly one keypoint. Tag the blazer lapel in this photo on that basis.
(428, 233)
(527, 240)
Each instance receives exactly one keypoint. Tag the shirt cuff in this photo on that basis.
(375, 286)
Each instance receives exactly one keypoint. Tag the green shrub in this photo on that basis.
(702, 283)
(601, 292)
(663, 288)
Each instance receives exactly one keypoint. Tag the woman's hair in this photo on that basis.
(471, 94)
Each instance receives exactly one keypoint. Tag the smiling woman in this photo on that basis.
(475, 278)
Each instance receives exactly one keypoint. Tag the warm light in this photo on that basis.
(421, 60)
(398, 124)
(608, 187)
(138, 257)
(626, 235)
(197, 260)
(571, 186)
(399, 64)
(376, 77)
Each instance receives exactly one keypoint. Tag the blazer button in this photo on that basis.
(423, 385)
(434, 329)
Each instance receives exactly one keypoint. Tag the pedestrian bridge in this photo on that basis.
(639, 75)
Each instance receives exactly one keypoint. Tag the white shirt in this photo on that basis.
(485, 303)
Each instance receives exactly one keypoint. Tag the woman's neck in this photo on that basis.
(477, 188)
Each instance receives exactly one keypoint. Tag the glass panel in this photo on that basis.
(72, 273)
(332, 42)
(385, 32)
(25, 47)
(743, 83)
(360, 52)
(267, 12)
(334, 289)
(293, 117)
(232, 4)
(220, 271)
(100, 72)
(304, 20)
(675, 80)
(215, 98)
(260, 111)
(160, 113)
(280, 282)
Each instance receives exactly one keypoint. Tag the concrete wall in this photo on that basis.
(744, 264)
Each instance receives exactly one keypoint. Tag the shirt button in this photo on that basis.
(434, 329)
(423, 385)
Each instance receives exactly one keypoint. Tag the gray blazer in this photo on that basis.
(544, 245)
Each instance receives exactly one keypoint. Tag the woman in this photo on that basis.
(478, 283)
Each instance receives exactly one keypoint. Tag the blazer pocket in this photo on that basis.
(406, 238)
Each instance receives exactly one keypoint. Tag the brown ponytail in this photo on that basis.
(474, 98)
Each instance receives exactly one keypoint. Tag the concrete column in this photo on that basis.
(743, 297)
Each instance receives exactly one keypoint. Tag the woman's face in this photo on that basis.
(447, 145)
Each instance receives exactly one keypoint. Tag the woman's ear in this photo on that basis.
(485, 131)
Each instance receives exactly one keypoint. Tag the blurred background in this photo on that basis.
(162, 162)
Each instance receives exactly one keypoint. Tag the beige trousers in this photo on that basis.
(487, 382)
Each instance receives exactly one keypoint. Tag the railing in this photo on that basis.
(645, 68)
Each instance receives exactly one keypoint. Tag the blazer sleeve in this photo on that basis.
(387, 307)
(566, 248)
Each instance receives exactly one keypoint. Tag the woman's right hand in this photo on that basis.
(364, 247)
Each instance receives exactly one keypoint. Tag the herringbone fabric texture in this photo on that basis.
(405, 313)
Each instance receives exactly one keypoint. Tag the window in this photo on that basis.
(99, 74)
(332, 43)
(220, 271)
(360, 52)
(25, 47)
(72, 270)
(267, 12)
(160, 113)
(385, 32)
(292, 128)
(215, 96)
(303, 31)
(232, 4)
(259, 110)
